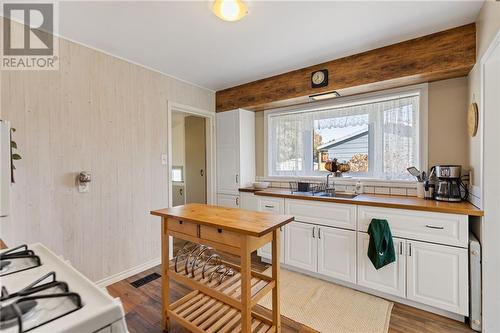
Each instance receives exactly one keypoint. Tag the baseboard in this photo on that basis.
(128, 273)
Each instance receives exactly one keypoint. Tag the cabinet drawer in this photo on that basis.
(187, 228)
(220, 236)
(322, 213)
(272, 205)
(451, 229)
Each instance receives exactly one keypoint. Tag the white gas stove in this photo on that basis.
(43, 293)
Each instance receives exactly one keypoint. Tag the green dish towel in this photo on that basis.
(381, 247)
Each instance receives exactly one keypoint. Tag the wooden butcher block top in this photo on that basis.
(234, 219)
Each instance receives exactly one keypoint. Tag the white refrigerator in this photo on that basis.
(5, 169)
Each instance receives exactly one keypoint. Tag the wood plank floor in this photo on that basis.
(142, 306)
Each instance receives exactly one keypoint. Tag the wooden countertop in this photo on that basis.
(237, 220)
(389, 201)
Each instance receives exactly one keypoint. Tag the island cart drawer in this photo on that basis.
(221, 236)
(183, 227)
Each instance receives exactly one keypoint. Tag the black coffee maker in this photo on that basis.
(449, 184)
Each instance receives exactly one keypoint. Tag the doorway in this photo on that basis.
(191, 157)
(189, 183)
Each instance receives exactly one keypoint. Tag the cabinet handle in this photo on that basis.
(237, 179)
(319, 233)
(400, 248)
(434, 227)
(219, 231)
(409, 249)
(313, 232)
(269, 206)
(237, 201)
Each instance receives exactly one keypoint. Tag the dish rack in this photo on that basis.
(311, 187)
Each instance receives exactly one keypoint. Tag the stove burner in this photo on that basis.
(9, 314)
(18, 259)
(39, 303)
(4, 265)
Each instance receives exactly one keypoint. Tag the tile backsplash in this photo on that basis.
(403, 189)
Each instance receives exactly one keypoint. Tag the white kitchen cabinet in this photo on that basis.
(322, 213)
(249, 201)
(277, 206)
(301, 246)
(271, 205)
(265, 252)
(390, 279)
(441, 228)
(337, 253)
(437, 275)
(235, 150)
(227, 200)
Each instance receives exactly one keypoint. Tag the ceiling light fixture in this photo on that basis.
(229, 10)
(322, 96)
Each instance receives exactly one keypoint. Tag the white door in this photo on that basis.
(195, 160)
(230, 201)
(490, 180)
(301, 246)
(337, 253)
(437, 275)
(390, 279)
(227, 152)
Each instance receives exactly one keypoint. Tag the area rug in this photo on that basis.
(328, 307)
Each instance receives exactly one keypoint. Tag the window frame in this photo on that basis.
(420, 89)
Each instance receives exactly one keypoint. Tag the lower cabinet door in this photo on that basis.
(266, 251)
(230, 201)
(390, 279)
(249, 201)
(438, 276)
(301, 246)
(337, 253)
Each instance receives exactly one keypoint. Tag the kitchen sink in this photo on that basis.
(338, 195)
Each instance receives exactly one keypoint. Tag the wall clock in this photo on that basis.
(319, 78)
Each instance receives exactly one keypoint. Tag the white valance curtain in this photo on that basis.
(393, 133)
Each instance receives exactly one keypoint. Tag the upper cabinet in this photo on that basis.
(235, 150)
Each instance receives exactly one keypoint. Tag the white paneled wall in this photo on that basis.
(104, 115)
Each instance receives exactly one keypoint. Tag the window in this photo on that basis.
(177, 174)
(378, 136)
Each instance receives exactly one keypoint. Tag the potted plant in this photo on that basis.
(13, 155)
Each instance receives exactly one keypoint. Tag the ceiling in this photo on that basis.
(185, 40)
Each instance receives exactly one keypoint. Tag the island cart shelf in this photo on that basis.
(226, 306)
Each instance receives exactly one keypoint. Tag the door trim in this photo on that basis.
(490, 305)
(210, 152)
(210, 147)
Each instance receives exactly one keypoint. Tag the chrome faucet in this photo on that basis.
(328, 182)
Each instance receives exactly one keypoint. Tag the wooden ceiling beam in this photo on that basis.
(446, 54)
